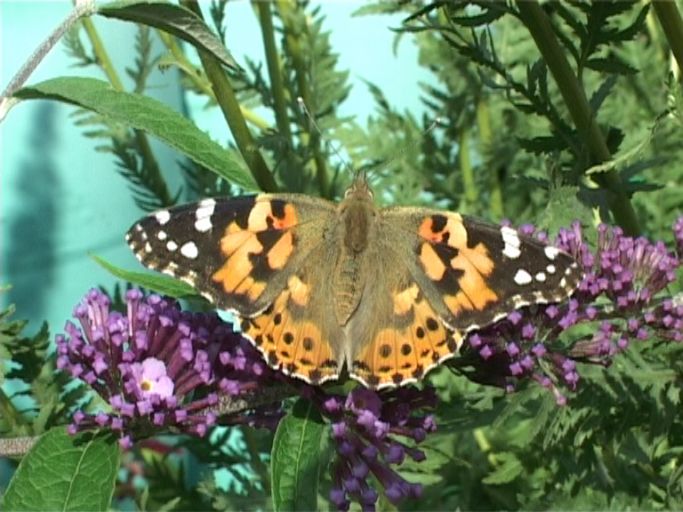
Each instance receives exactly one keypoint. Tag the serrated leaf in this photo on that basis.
(295, 458)
(509, 468)
(147, 114)
(171, 18)
(63, 472)
(610, 65)
(156, 282)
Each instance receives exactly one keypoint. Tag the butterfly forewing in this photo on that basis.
(237, 252)
(475, 273)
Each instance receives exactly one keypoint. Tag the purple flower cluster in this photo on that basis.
(364, 427)
(622, 276)
(157, 366)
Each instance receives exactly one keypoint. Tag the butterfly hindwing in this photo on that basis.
(237, 252)
(298, 333)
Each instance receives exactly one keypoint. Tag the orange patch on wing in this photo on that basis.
(431, 263)
(279, 254)
(237, 267)
(475, 292)
(259, 215)
(234, 238)
(300, 291)
(288, 220)
(253, 289)
(404, 300)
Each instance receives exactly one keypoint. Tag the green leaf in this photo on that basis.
(160, 284)
(63, 472)
(611, 65)
(147, 114)
(509, 468)
(174, 19)
(564, 207)
(296, 458)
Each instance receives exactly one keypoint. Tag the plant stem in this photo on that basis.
(485, 136)
(293, 44)
(257, 464)
(227, 101)
(470, 189)
(274, 67)
(199, 80)
(671, 22)
(19, 79)
(102, 56)
(536, 21)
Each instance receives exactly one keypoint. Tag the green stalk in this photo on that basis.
(486, 138)
(255, 458)
(101, 54)
(536, 21)
(227, 101)
(468, 185)
(274, 67)
(150, 162)
(200, 82)
(285, 8)
(671, 22)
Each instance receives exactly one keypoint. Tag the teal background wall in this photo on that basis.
(61, 199)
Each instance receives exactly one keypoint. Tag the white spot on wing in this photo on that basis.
(189, 250)
(551, 252)
(511, 241)
(522, 277)
(148, 248)
(540, 277)
(551, 269)
(162, 216)
(171, 246)
(161, 235)
(203, 225)
(203, 215)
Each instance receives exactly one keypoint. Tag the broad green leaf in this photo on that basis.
(147, 114)
(508, 469)
(171, 18)
(160, 284)
(63, 472)
(296, 458)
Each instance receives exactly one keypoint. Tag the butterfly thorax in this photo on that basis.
(357, 213)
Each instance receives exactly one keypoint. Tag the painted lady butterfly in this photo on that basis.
(385, 294)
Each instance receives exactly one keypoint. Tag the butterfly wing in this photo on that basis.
(395, 335)
(299, 333)
(440, 275)
(264, 258)
(475, 273)
(237, 252)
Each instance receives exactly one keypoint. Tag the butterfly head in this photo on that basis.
(360, 188)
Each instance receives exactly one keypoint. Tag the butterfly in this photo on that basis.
(327, 289)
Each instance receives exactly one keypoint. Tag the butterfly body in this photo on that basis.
(383, 293)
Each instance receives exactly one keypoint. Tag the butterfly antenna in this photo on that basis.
(311, 119)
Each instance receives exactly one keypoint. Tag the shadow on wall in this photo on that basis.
(33, 223)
